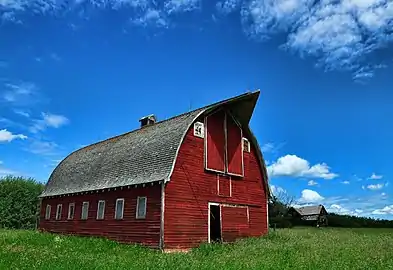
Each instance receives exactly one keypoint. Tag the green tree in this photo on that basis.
(19, 202)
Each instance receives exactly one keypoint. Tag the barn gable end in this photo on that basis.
(197, 186)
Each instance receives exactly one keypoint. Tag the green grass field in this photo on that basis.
(305, 248)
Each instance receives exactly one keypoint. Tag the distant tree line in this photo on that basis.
(19, 208)
(279, 217)
(19, 202)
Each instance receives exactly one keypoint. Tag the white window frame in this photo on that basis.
(58, 213)
(248, 145)
(48, 211)
(122, 212)
(69, 211)
(87, 211)
(98, 209)
(137, 207)
(202, 128)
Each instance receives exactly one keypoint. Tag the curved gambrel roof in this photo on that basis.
(141, 156)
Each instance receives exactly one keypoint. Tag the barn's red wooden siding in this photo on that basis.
(192, 187)
(128, 230)
(224, 185)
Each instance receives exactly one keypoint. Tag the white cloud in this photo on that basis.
(7, 136)
(375, 177)
(276, 190)
(339, 209)
(228, 6)
(374, 187)
(312, 183)
(384, 211)
(345, 182)
(310, 196)
(340, 34)
(54, 120)
(152, 17)
(291, 165)
(271, 147)
(20, 92)
(49, 120)
(357, 178)
(180, 6)
(55, 57)
(43, 148)
(267, 147)
(22, 113)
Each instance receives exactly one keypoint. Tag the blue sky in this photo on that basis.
(74, 72)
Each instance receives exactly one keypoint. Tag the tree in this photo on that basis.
(19, 202)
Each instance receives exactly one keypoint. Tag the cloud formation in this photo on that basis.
(18, 92)
(294, 166)
(271, 147)
(7, 136)
(384, 211)
(49, 120)
(375, 177)
(312, 183)
(45, 148)
(310, 196)
(373, 187)
(339, 34)
(276, 190)
(22, 113)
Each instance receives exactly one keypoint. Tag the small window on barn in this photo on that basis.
(119, 210)
(85, 210)
(71, 210)
(101, 209)
(141, 207)
(199, 130)
(246, 145)
(47, 212)
(58, 211)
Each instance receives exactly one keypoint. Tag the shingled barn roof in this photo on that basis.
(141, 156)
(309, 210)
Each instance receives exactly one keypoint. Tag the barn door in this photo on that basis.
(235, 222)
(214, 223)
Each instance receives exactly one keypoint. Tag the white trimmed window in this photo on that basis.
(141, 207)
(58, 211)
(101, 209)
(47, 212)
(85, 210)
(246, 145)
(119, 210)
(199, 130)
(71, 210)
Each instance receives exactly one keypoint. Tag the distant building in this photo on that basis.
(314, 214)
(174, 184)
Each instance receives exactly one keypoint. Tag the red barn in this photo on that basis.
(174, 184)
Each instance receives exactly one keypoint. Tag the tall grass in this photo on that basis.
(284, 249)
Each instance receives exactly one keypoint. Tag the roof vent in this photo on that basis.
(148, 120)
